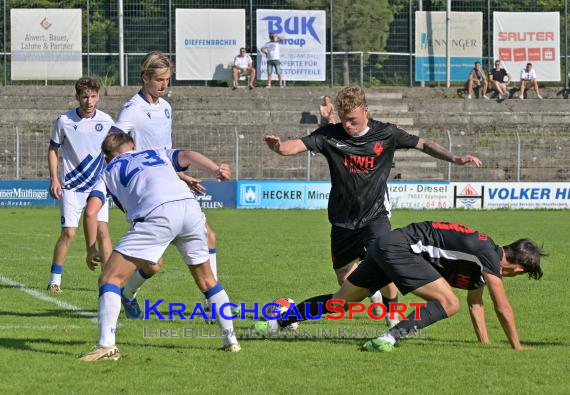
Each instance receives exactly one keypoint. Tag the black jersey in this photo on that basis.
(359, 168)
(460, 254)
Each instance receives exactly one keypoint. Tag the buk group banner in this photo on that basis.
(528, 37)
(466, 46)
(46, 44)
(207, 40)
(302, 52)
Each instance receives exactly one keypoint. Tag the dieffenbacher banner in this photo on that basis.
(303, 48)
(207, 40)
(528, 37)
(46, 44)
(465, 48)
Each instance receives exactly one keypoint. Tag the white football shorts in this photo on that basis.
(180, 222)
(71, 206)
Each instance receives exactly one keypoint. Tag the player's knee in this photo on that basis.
(451, 305)
(68, 234)
(151, 270)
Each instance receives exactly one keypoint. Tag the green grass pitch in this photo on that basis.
(263, 255)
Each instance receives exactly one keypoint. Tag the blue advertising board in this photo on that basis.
(22, 193)
(218, 195)
(283, 194)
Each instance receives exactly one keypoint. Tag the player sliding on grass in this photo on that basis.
(78, 133)
(360, 152)
(162, 210)
(427, 259)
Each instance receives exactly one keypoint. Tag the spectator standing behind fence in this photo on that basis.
(477, 78)
(243, 65)
(271, 51)
(528, 78)
(327, 111)
(500, 78)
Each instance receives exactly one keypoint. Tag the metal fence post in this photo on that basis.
(518, 155)
(308, 160)
(17, 153)
(449, 147)
(121, 44)
(88, 40)
(5, 49)
(489, 42)
(410, 43)
(331, 37)
(236, 137)
(361, 68)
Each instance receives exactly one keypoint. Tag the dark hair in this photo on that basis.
(526, 253)
(477, 62)
(113, 141)
(87, 83)
(528, 64)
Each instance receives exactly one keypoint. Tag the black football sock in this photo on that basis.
(310, 306)
(430, 313)
(386, 302)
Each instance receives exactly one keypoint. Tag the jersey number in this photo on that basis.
(126, 174)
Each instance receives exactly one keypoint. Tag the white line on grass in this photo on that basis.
(36, 327)
(38, 295)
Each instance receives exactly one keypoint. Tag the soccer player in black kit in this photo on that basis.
(427, 259)
(359, 152)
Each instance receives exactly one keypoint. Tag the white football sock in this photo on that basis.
(133, 284)
(109, 309)
(213, 263)
(55, 275)
(219, 296)
(376, 297)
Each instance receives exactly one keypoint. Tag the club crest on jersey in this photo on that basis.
(378, 148)
(98, 127)
(148, 115)
(167, 113)
(74, 127)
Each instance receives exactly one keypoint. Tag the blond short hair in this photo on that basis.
(350, 98)
(154, 61)
(113, 141)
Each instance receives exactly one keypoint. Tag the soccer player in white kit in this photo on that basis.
(147, 117)
(162, 210)
(78, 134)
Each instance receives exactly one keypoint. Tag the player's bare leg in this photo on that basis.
(59, 254)
(104, 241)
(133, 284)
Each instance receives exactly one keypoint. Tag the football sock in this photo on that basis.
(218, 295)
(133, 284)
(376, 297)
(56, 271)
(109, 309)
(386, 302)
(309, 306)
(213, 263)
(430, 313)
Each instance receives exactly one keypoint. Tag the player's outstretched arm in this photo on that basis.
(503, 309)
(285, 148)
(477, 313)
(55, 186)
(437, 151)
(200, 162)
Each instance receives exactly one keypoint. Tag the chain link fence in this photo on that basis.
(514, 155)
(150, 25)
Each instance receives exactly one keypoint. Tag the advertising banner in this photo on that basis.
(218, 195)
(283, 194)
(46, 44)
(420, 195)
(207, 40)
(528, 37)
(25, 194)
(516, 195)
(466, 46)
(303, 48)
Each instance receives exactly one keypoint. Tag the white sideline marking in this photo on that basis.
(38, 295)
(35, 327)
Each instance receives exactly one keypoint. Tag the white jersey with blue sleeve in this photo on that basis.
(79, 140)
(140, 181)
(150, 125)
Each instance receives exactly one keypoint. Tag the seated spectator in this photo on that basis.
(528, 78)
(477, 78)
(327, 111)
(500, 78)
(243, 65)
